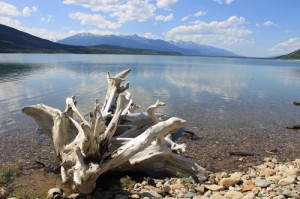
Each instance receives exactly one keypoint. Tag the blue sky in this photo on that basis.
(246, 27)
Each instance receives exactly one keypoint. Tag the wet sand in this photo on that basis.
(210, 148)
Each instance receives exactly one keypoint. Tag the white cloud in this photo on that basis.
(149, 35)
(285, 47)
(139, 10)
(28, 11)
(229, 32)
(7, 9)
(46, 19)
(10, 22)
(165, 3)
(46, 34)
(93, 19)
(224, 1)
(185, 18)
(266, 23)
(164, 18)
(199, 14)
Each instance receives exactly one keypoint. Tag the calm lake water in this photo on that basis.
(207, 92)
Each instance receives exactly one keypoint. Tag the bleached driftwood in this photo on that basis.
(112, 137)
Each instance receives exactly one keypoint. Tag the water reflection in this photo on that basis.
(218, 80)
(210, 92)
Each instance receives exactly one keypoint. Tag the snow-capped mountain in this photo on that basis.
(135, 41)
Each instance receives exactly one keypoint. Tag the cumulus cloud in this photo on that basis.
(7, 9)
(224, 1)
(122, 11)
(165, 3)
(164, 18)
(28, 11)
(93, 19)
(149, 35)
(229, 32)
(285, 47)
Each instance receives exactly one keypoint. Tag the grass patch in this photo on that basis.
(7, 175)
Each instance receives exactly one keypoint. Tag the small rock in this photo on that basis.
(279, 197)
(261, 167)
(3, 192)
(289, 193)
(267, 173)
(217, 196)
(228, 182)
(180, 195)
(197, 197)
(165, 189)
(189, 195)
(249, 196)
(207, 194)
(234, 195)
(159, 184)
(236, 175)
(200, 189)
(297, 162)
(214, 187)
(152, 194)
(250, 185)
(286, 181)
(262, 182)
(293, 171)
(268, 159)
(177, 186)
(275, 178)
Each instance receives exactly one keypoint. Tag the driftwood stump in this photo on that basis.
(112, 138)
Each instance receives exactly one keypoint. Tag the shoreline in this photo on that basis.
(210, 148)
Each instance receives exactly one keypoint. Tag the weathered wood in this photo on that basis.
(112, 137)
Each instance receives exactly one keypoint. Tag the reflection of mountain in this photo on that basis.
(225, 82)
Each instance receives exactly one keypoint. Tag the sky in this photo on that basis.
(255, 28)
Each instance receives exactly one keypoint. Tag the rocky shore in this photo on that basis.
(34, 153)
(270, 180)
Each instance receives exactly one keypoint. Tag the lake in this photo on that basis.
(208, 92)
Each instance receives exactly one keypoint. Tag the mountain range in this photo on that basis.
(135, 41)
(292, 55)
(15, 41)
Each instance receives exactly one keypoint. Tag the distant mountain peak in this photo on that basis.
(136, 41)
